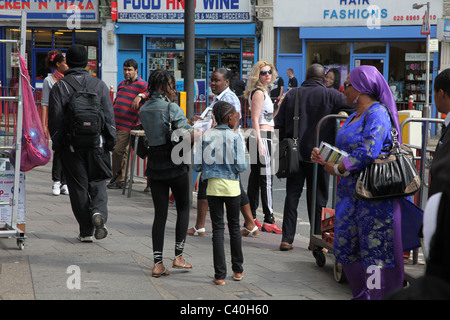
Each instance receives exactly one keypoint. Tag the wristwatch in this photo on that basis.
(143, 96)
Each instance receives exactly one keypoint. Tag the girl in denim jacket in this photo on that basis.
(220, 156)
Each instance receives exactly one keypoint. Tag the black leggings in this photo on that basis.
(160, 193)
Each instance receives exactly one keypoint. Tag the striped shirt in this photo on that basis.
(126, 116)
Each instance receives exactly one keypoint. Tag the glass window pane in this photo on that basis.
(222, 43)
(42, 38)
(63, 39)
(330, 55)
(406, 76)
(200, 43)
(130, 42)
(166, 43)
(171, 61)
(290, 41)
(369, 47)
(248, 56)
(89, 38)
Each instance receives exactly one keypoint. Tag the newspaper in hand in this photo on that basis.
(331, 153)
(206, 121)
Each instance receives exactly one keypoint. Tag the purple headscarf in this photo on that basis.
(368, 80)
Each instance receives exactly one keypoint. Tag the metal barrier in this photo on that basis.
(423, 149)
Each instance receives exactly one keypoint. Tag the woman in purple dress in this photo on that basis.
(367, 233)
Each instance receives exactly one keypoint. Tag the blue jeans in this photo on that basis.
(216, 208)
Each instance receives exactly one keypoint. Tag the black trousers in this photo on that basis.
(180, 188)
(87, 184)
(57, 174)
(232, 205)
(294, 188)
(261, 177)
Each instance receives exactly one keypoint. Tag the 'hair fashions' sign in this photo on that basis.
(370, 13)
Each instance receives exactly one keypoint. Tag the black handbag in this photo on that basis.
(142, 146)
(288, 164)
(391, 175)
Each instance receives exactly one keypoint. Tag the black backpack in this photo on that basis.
(84, 118)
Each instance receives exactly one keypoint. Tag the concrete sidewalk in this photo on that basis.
(54, 265)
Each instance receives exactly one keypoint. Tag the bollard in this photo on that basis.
(111, 93)
(410, 103)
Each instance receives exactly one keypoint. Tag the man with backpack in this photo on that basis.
(82, 127)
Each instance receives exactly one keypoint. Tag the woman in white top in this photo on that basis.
(56, 60)
(261, 106)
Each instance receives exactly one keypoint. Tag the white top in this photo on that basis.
(266, 116)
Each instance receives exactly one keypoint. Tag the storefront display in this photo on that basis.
(348, 34)
(225, 36)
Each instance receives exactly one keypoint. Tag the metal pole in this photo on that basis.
(189, 65)
(426, 110)
(189, 55)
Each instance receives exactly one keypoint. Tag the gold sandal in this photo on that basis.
(158, 274)
(183, 265)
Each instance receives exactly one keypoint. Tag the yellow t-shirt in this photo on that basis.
(223, 187)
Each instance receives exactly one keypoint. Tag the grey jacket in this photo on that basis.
(155, 119)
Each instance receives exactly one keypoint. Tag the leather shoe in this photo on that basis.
(284, 246)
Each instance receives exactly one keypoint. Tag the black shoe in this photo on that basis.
(115, 185)
(99, 223)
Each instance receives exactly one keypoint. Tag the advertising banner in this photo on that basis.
(370, 13)
(55, 10)
(157, 11)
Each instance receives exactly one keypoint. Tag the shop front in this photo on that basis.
(224, 37)
(50, 25)
(344, 34)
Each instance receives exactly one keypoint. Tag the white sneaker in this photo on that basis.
(56, 188)
(87, 239)
(64, 189)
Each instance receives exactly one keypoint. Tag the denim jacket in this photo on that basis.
(220, 154)
(155, 120)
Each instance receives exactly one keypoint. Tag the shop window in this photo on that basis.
(200, 44)
(330, 55)
(90, 39)
(407, 70)
(290, 41)
(130, 42)
(200, 65)
(222, 43)
(42, 38)
(63, 39)
(170, 61)
(248, 56)
(369, 47)
(166, 43)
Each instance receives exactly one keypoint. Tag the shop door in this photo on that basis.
(39, 70)
(214, 62)
(378, 61)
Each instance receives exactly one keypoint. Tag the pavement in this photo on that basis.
(54, 265)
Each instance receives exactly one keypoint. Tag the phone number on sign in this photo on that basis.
(412, 18)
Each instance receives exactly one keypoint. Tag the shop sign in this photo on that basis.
(370, 13)
(218, 11)
(443, 30)
(59, 10)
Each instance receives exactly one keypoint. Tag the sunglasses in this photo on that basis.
(346, 85)
(263, 73)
